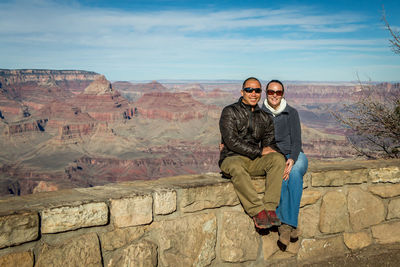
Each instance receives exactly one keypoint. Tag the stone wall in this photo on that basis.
(197, 220)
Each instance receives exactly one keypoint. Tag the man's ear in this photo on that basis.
(241, 92)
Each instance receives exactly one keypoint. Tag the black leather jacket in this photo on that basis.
(245, 132)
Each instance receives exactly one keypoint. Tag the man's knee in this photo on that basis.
(275, 158)
(232, 165)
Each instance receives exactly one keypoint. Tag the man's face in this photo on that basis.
(253, 97)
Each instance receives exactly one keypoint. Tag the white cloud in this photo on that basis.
(57, 34)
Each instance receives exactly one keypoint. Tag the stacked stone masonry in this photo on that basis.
(197, 220)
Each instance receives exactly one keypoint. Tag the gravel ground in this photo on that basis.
(383, 256)
(375, 255)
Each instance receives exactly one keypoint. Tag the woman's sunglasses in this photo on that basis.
(272, 92)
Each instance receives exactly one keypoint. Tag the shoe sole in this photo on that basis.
(277, 224)
(261, 227)
(284, 241)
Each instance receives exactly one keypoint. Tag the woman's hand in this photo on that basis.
(288, 168)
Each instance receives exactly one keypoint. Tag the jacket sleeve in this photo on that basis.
(269, 134)
(230, 136)
(295, 135)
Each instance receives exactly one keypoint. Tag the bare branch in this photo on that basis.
(395, 42)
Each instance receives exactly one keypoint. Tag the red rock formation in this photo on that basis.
(9, 108)
(105, 170)
(102, 102)
(44, 186)
(25, 127)
(170, 106)
(30, 90)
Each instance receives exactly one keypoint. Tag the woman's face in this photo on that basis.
(274, 94)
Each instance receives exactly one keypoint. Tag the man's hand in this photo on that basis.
(266, 150)
(288, 168)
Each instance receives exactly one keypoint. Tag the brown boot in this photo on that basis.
(284, 234)
(295, 233)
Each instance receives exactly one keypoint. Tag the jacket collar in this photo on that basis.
(240, 102)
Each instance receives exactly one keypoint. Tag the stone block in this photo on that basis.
(207, 197)
(309, 220)
(310, 197)
(294, 247)
(321, 248)
(269, 244)
(21, 259)
(386, 233)
(389, 174)
(132, 211)
(307, 180)
(164, 201)
(385, 191)
(364, 209)
(282, 255)
(18, 228)
(186, 241)
(333, 216)
(271, 250)
(393, 209)
(357, 240)
(141, 254)
(83, 250)
(239, 239)
(62, 219)
(339, 177)
(120, 237)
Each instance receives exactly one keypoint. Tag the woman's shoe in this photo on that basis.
(295, 233)
(284, 234)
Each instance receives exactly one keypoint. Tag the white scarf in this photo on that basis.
(278, 111)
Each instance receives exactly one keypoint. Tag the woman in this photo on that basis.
(288, 138)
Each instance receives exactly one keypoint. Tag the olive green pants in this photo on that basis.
(242, 168)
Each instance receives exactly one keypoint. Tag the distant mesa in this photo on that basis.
(152, 86)
(170, 106)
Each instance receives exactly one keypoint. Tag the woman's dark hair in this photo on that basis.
(250, 78)
(275, 81)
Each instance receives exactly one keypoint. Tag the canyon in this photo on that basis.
(68, 128)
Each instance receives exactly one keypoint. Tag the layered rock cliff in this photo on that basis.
(170, 106)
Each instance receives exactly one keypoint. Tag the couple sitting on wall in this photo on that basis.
(265, 142)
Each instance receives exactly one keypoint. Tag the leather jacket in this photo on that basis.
(245, 132)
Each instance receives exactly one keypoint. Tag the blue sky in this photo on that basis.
(202, 40)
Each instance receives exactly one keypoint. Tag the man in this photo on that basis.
(249, 149)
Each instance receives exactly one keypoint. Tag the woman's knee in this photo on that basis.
(301, 164)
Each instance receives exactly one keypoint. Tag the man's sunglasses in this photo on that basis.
(251, 90)
(272, 92)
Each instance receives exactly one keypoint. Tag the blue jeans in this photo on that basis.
(291, 192)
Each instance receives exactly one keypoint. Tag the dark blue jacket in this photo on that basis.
(287, 131)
